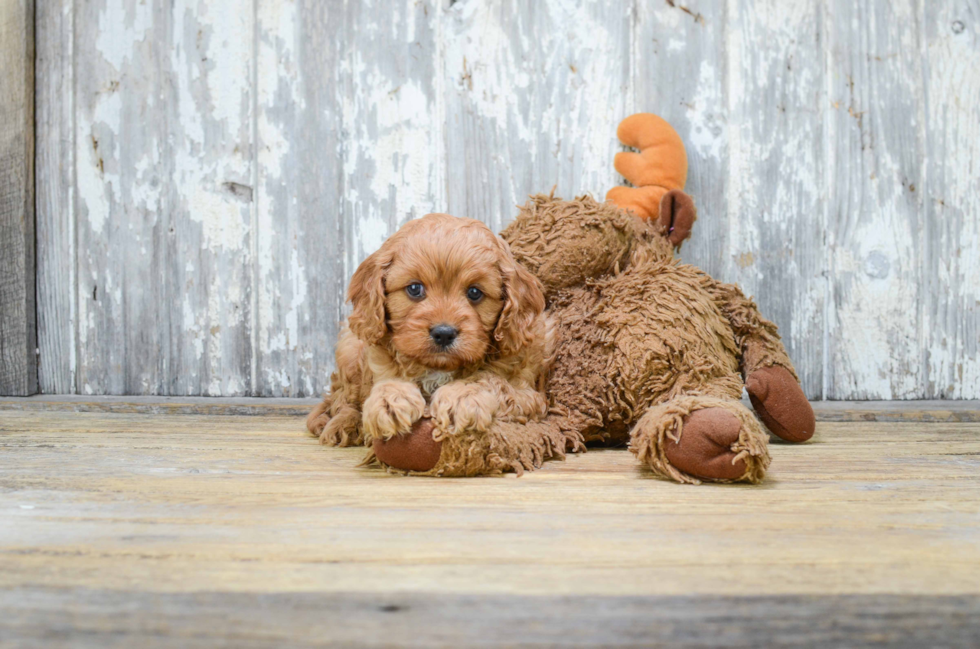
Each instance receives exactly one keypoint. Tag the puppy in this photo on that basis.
(445, 324)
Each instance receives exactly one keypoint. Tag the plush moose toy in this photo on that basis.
(646, 350)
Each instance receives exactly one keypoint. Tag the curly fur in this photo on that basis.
(390, 372)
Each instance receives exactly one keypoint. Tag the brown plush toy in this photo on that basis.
(648, 350)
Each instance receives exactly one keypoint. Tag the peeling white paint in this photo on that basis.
(533, 102)
(951, 320)
(877, 259)
(371, 233)
(98, 179)
(122, 24)
(708, 132)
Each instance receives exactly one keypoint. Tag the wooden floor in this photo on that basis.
(142, 529)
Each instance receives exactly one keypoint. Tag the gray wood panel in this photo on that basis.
(922, 411)
(680, 72)
(876, 223)
(18, 331)
(300, 226)
(163, 144)
(251, 154)
(777, 172)
(742, 82)
(361, 92)
(55, 156)
(951, 269)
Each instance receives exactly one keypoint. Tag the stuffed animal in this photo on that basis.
(647, 350)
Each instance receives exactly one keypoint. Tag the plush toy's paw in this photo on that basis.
(779, 400)
(505, 447)
(695, 437)
(392, 408)
(460, 407)
(705, 446)
(414, 451)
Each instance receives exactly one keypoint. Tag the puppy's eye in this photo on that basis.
(474, 294)
(415, 290)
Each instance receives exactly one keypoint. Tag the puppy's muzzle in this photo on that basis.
(443, 335)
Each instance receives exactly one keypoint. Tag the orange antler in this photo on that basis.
(659, 167)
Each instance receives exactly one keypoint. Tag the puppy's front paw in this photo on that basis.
(392, 408)
(459, 407)
(343, 429)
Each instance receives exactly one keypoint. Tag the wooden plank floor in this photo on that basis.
(135, 529)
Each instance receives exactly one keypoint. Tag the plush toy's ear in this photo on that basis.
(677, 216)
(523, 302)
(367, 295)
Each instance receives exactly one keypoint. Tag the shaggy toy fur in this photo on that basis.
(645, 343)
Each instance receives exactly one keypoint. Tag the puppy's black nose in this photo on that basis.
(443, 335)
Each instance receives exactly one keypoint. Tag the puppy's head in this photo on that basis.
(446, 292)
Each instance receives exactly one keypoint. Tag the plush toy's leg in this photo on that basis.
(694, 437)
(770, 379)
(505, 446)
(778, 398)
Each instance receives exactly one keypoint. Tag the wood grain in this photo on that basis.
(299, 265)
(18, 329)
(180, 520)
(163, 141)
(951, 273)
(55, 155)
(534, 91)
(876, 219)
(104, 618)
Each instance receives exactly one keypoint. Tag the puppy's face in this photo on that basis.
(446, 292)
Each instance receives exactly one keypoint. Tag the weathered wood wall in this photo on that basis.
(18, 329)
(210, 174)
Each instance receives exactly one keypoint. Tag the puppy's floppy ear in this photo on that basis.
(523, 302)
(367, 295)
